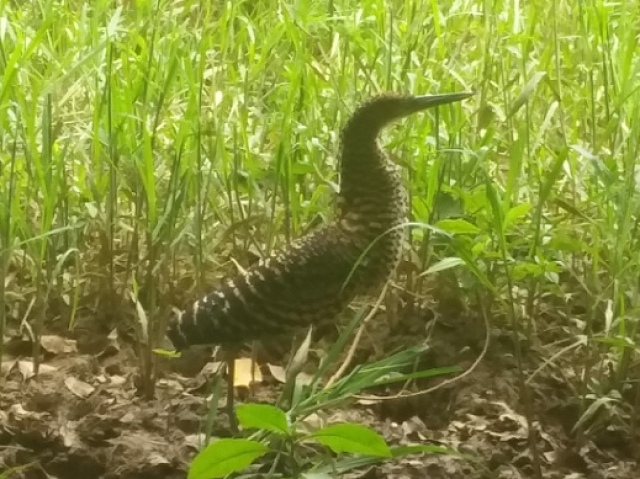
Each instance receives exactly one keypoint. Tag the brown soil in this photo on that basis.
(82, 417)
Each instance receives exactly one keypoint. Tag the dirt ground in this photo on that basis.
(82, 417)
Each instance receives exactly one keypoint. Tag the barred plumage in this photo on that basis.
(307, 282)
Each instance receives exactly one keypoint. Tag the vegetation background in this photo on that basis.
(147, 146)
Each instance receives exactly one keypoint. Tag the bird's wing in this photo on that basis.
(313, 271)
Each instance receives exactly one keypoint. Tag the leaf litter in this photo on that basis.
(82, 418)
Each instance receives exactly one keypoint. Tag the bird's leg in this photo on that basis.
(230, 359)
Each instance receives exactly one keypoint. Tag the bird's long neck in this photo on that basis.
(359, 138)
(369, 182)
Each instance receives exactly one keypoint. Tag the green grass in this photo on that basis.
(144, 145)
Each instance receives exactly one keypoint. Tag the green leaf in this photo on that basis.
(342, 465)
(527, 92)
(619, 342)
(517, 213)
(401, 451)
(446, 205)
(443, 264)
(166, 353)
(428, 373)
(14, 470)
(352, 438)
(458, 226)
(224, 457)
(527, 270)
(263, 416)
(591, 411)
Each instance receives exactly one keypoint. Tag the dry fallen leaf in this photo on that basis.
(17, 410)
(413, 429)
(196, 441)
(243, 375)
(157, 459)
(311, 423)
(211, 369)
(58, 345)
(79, 388)
(9, 278)
(278, 373)
(69, 435)
(26, 369)
(6, 367)
(117, 380)
(128, 418)
(304, 379)
(112, 344)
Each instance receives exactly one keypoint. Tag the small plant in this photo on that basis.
(294, 451)
(14, 470)
(297, 450)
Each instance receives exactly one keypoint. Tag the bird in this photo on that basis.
(316, 277)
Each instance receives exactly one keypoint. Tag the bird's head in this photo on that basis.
(373, 115)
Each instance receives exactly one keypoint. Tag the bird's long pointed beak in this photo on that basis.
(429, 101)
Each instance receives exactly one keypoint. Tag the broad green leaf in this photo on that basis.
(224, 457)
(352, 438)
(515, 214)
(527, 270)
(263, 416)
(458, 226)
